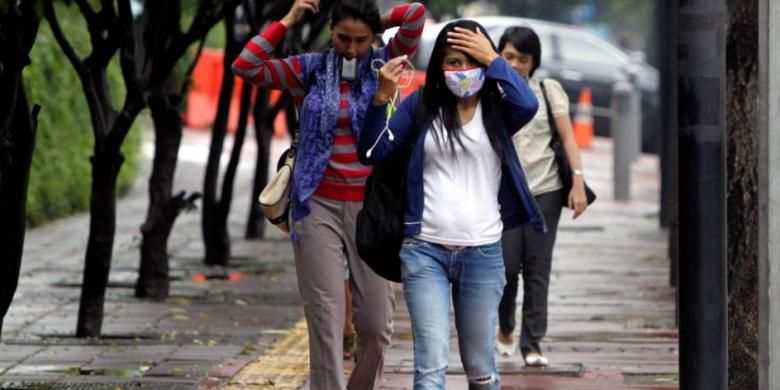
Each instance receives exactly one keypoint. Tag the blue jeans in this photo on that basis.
(477, 278)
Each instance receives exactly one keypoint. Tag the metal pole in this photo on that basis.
(665, 33)
(703, 307)
(667, 27)
(622, 138)
(769, 197)
(636, 114)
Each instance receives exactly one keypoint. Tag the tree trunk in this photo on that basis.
(215, 234)
(701, 118)
(105, 168)
(153, 281)
(255, 221)
(220, 217)
(742, 201)
(18, 29)
(110, 129)
(110, 32)
(15, 163)
(215, 238)
(235, 154)
(165, 44)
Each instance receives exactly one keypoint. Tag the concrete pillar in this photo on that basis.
(769, 196)
(623, 135)
(701, 60)
(666, 32)
(636, 115)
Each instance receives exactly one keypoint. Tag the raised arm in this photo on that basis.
(381, 136)
(255, 64)
(410, 19)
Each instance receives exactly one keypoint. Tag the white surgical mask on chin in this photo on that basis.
(465, 83)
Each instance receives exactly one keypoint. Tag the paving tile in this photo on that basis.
(54, 370)
(611, 314)
(14, 381)
(4, 366)
(228, 368)
(64, 355)
(205, 353)
(13, 353)
(180, 369)
(137, 353)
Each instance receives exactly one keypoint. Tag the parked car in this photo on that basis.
(577, 58)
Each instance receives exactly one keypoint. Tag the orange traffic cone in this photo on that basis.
(583, 120)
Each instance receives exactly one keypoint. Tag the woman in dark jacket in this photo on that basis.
(464, 186)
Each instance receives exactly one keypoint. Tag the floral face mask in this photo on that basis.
(465, 83)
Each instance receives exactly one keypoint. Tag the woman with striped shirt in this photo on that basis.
(332, 91)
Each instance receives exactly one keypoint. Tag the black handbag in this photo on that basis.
(380, 223)
(561, 160)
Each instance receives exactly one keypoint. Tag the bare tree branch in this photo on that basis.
(135, 100)
(89, 14)
(106, 36)
(205, 20)
(191, 68)
(7, 117)
(161, 41)
(206, 17)
(62, 40)
(278, 10)
(104, 29)
(31, 17)
(127, 51)
(318, 25)
(107, 9)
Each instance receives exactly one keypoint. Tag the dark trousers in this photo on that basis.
(530, 253)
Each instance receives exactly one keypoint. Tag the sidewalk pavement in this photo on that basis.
(611, 317)
(214, 321)
(611, 310)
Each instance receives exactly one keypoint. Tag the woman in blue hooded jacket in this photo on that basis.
(464, 186)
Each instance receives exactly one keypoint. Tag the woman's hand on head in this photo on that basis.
(475, 44)
(298, 9)
(389, 75)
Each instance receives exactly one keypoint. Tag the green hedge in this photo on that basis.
(61, 172)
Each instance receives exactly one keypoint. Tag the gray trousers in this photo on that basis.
(325, 237)
(530, 253)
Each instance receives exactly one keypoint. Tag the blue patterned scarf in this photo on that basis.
(317, 124)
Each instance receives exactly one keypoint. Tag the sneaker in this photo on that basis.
(505, 344)
(535, 359)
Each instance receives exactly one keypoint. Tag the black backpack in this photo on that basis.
(380, 224)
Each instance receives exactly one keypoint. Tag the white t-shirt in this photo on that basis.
(461, 191)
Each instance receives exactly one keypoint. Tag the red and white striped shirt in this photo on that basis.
(344, 177)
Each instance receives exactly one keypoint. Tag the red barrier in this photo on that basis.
(203, 95)
(417, 81)
(204, 92)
